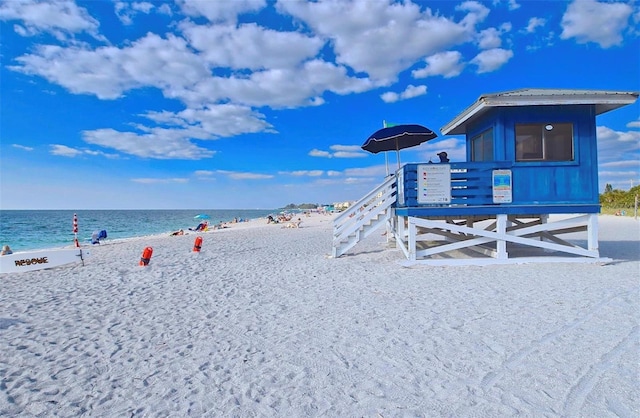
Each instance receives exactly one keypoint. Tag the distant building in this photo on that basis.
(342, 205)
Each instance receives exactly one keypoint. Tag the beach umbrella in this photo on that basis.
(202, 216)
(398, 137)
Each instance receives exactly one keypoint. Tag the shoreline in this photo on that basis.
(33, 230)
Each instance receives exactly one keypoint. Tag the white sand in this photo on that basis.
(263, 324)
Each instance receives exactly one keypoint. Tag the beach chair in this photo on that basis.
(97, 236)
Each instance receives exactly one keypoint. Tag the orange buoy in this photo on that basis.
(146, 256)
(197, 244)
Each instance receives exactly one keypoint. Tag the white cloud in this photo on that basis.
(203, 173)
(511, 4)
(489, 39)
(319, 153)
(477, 13)
(618, 157)
(447, 64)
(535, 23)
(621, 164)
(60, 18)
(108, 72)
(159, 180)
(220, 11)
(250, 46)
(492, 59)
(454, 147)
(634, 124)
(402, 33)
(377, 171)
(593, 21)
(158, 143)
(65, 151)
(101, 154)
(236, 175)
(339, 151)
(609, 134)
(215, 121)
(22, 147)
(347, 151)
(126, 11)
(304, 173)
(410, 92)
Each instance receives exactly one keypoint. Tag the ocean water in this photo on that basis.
(40, 229)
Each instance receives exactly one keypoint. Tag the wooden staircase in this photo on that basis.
(364, 217)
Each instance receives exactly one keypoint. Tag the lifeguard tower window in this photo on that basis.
(482, 146)
(544, 142)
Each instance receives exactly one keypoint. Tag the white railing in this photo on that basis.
(364, 217)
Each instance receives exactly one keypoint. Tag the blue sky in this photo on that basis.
(258, 104)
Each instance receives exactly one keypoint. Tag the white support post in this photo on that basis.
(501, 244)
(411, 244)
(401, 228)
(390, 217)
(544, 218)
(592, 232)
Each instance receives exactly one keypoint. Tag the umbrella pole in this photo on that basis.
(386, 162)
(398, 153)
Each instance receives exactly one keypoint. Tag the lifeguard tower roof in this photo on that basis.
(603, 101)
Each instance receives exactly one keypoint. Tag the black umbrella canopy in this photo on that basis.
(395, 138)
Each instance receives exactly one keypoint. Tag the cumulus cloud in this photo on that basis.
(513, 5)
(65, 151)
(535, 23)
(634, 124)
(446, 64)
(215, 121)
(250, 46)
(61, 19)
(618, 156)
(492, 59)
(220, 11)
(319, 153)
(339, 151)
(410, 92)
(489, 39)
(126, 11)
(401, 32)
(158, 143)
(593, 21)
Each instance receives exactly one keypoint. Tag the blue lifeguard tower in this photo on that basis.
(530, 177)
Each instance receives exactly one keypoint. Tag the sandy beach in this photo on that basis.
(263, 323)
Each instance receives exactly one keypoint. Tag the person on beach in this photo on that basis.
(202, 226)
(443, 157)
(295, 224)
(179, 232)
(6, 250)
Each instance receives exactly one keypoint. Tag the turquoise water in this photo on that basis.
(39, 229)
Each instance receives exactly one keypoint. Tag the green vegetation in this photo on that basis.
(613, 200)
(302, 206)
